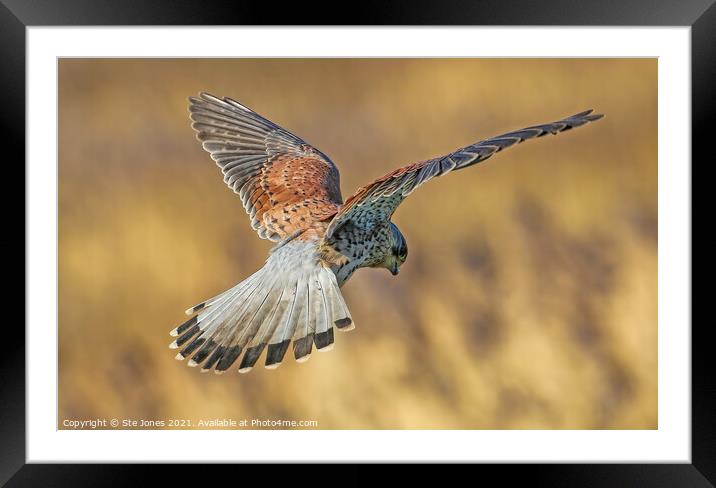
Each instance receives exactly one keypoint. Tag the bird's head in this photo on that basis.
(399, 250)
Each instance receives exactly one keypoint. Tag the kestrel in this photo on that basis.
(291, 192)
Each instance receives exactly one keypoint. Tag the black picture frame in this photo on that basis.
(16, 15)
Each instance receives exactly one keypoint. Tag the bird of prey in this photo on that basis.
(291, 192)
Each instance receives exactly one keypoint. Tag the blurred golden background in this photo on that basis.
(528, 300)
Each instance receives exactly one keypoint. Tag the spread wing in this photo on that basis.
(378, 200)
(284, 183)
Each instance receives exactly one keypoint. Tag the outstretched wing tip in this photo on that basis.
(589, 115)
(200, 98)
(204, 97)
(581, 114)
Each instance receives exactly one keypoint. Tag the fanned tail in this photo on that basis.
(293, 298)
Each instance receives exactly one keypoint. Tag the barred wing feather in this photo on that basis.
(378, 200)
(284, 183)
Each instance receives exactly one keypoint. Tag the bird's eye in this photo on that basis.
(403, 254)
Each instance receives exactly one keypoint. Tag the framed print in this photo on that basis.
(488, 224)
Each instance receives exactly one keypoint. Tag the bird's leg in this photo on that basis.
(330, 256)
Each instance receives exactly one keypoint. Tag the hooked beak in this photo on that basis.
(394, 270)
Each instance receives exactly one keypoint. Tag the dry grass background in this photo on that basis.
(529, 299)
